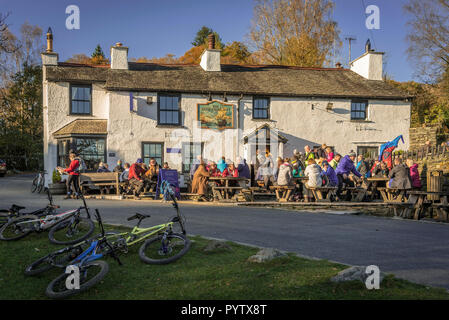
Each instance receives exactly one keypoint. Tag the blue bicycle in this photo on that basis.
(83, 257)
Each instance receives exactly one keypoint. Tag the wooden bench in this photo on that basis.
(100, 179)
(357, 193)
(283, 193)
(222, 193)
(392, 195)
(323, 194)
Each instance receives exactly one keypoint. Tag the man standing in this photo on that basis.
(308, 155)
(344, 168)
(135, 177)
(73, 178)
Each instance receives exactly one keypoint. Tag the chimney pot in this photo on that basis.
(49, 40)
(118, 44)
(211, 41)
(338, 65)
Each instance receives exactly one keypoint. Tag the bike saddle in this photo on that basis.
(139, 216)
(16, 208)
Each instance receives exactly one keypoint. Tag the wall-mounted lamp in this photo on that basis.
(313, 107)
(225, 99)
(149, 100)
(209, 98)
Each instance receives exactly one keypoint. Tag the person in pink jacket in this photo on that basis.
(329, 154)
(414, 174)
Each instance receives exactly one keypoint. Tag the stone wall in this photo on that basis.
(419, 136)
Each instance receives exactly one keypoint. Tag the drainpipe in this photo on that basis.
(238, 122)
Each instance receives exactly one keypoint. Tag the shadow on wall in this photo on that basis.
(296, 143)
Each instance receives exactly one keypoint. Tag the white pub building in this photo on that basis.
(173, 113)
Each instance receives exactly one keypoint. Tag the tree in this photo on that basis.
(80, 58)
(235, 53)
(21, 109)
(167, 59)
(98, 56)
(294, 32)
(428, 36)
(201, 37)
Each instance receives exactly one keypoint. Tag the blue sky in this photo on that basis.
(153, 28)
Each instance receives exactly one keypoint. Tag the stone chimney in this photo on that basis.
(49, 58)
(119, 57)
(210, 59)
(370, 64)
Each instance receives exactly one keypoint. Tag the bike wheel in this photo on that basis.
(18, 228)
(159, 251)
(90, 274)
(60, 258)
(34, 184)
(71, 231)
(4, 217)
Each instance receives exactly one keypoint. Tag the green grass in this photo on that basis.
(224, 274)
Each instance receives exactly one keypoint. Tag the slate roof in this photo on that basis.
(233, 79)
(84, 126)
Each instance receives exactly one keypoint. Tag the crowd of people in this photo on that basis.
(322, 166)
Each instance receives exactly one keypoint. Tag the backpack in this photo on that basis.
(82, 165)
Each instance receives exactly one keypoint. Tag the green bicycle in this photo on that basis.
(161, 245)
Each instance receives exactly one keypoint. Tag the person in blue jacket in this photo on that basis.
(329, 172)
(344, 168)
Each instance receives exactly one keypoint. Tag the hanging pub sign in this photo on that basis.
(216, 115)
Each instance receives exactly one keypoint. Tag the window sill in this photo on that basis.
(170, 126)
(262, 120)
(361, 121)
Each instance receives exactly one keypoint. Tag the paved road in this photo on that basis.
(417, 251)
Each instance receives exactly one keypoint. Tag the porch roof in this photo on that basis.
(84, 126)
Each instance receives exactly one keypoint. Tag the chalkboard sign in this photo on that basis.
(171, 176)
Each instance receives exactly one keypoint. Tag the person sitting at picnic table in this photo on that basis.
(329, 172)
(399, 176)
(118, 168)
(279, 162)
(124, 175)
(194, 166)
(285, 175)
(381, 170)
(150, 177)
(222, 165)
(335, 161)
(414, 174)
(313, 172)
(362, 166)
(321, 151)
(135, 177)
(103, 167)
(166, 166)
(243, 168)
(297, 171)
(308, 155)
(199, 182)
(329, 154)
(344, 169)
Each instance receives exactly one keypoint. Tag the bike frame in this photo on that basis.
(90, 254)
(137, 231)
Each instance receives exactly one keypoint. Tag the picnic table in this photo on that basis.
(423, 203)
(376, 182)
(223, 193)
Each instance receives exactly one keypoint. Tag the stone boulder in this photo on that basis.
(355, 273)
(216, 245)
(266, 254)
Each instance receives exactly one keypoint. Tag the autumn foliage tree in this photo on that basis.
(294, 32)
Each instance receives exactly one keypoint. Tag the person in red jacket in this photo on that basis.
(135, 177)
(74, 175)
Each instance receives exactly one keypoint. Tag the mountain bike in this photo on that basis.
(14, 211)
(38, 182)
(65, 228)
(84, 257)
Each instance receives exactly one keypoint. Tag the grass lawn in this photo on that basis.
(200, 275)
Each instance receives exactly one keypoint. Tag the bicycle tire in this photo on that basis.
(55, 294)
(34, 184)
(145, 247)
(65, 224)
(14, 221)
(42, 264)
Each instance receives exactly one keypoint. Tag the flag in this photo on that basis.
(386, 150)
